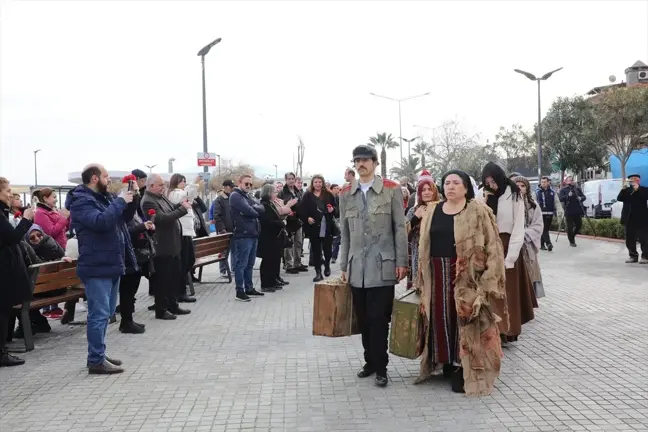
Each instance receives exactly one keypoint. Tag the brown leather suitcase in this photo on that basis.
(333, 314)
(406, 326)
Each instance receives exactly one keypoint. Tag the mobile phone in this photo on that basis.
(130, 185)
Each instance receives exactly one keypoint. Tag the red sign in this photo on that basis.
(206, 159)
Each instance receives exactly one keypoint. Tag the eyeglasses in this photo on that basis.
(248, 184)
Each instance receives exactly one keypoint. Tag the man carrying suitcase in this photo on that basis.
(373, 255)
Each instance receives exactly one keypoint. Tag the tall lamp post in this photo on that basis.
(150, 167)
(409, 146)
(539, 140)
(202, 53)
(36, 168)
(400, 126)
(219, 165)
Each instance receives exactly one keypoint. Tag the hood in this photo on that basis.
(34, 227)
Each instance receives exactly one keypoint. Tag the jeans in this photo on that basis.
(102, 300)
(244, 257)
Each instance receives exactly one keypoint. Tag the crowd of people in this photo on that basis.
(471, 252)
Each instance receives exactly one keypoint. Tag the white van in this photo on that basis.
(601, 194)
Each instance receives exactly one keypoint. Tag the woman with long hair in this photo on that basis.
(180, 191)
(460, 276)
(426, 193)
(533, 228)
(318, 213)
(502, 196)
(15, 210)
(54, 221)
(15, 277)
(271, 240)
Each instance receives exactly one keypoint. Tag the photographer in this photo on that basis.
(291, 196)
(572, 197)
(634, 217)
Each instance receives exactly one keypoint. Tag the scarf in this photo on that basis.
(493, 199)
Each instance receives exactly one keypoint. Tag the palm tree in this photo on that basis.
(408, 167)
(422, 149)
(385, 142)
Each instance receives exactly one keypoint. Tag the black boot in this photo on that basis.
(130, 327)
(458, 380)
(318, 275)
(327, 270)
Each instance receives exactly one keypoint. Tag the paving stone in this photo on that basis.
(230, 366)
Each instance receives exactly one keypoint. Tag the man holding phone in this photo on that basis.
(634, 217)
(291, 196)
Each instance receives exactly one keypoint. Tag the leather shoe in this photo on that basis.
(166, 315)
(7, 360)
(116, 362)
(179, 311)
(186, 299)
(132, 328)
(105, 368)
(365, 372)
(381, 380)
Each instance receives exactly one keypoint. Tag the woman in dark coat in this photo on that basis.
(15, 286)
(271, 241)
(318, 211)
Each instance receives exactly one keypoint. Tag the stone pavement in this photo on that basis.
(581, 365)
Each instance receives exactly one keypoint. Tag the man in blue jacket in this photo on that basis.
(104, 252)
(546, 199)
(245, 215)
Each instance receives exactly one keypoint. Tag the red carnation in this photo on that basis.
(18, 214)
(129, 177)
(151, 212)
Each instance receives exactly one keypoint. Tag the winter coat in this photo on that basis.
(143, 244)
(53, 223)
(547, 201)
(221, 214)
(316, 208)
(168, 230)
(99, 221)
(177, 196)
(573, 205)
(15, 285)
(48, 249)
(294, 222)
(270, 237)
(635, 207)
(199, 209)
(245, 214)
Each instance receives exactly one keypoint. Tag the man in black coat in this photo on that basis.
(15, 286)
(168, 278)
(634, 217)
(291, 196)
(572, 197)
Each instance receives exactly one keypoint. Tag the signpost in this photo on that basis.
(206, 159)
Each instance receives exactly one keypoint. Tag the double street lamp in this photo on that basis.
(202, 53)
(400, 127)
(539, 140)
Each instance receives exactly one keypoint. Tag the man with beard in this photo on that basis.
(291, 197)
(374, 253)
(104, 252)
(168, 279)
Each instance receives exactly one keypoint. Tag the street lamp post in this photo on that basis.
(36, 168)
(171, 160)
(539, 140)
(400, 127)
(276, 171)
(202, 53)
(150, 167)
(219, 165)
(409, 146)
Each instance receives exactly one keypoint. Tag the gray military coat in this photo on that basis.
(374, 238)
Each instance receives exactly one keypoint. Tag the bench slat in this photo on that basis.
(56, 284)
(71, 294)
(47, 277)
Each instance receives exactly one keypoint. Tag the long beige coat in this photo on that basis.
(480, 279)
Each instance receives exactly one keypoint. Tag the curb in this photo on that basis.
(605, 239)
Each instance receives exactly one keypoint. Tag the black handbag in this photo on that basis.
(286, 239)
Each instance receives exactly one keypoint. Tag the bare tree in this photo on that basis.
(449, 147)
(300, 157)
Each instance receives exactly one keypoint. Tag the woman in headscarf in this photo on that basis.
(533, 227)
(426, 193)
(461, 276)
(502, 196)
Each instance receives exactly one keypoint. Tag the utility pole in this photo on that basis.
(36, 168)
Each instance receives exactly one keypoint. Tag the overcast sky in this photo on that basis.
(119, 82)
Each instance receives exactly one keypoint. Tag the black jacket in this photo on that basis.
(221, 214)
(635, 207)
(316, 208)
(270, 238)
(573, 205)
(168, 231)
(143, 243)
(48, 250)
(293, 223)
(15, 285)
(200, 226)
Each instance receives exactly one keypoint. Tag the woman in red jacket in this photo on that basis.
(55, 222)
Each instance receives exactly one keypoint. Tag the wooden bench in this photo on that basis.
(210, 250)
(48, 277)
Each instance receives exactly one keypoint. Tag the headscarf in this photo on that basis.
(499, 177)
(419, 190)
(529, 202)
(465, 178)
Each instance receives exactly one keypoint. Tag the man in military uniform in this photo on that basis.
(373, 255)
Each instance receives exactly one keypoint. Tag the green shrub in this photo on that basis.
(608, 228)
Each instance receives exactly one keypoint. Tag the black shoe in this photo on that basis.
(458, 381)
(8, 360)
(572, 244)
(130, 327)
(179, 311)
(632, 260)
(381, 380)
(166, 315)
(105, 368)
(302, 268)
(365, 372)
(318, 277)
(543, 247)
(241, 296)
(151, 308)
(186, 299)
(550, 247)
(448, 370)
(267, 290)
(292, 271)
(327, 271)
(139, 325)
(280, 281)
(113, 361)
(254, 292)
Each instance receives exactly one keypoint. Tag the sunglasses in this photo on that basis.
(248, 184)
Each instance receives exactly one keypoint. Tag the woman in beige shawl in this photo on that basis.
(533, 226)
(460, 275)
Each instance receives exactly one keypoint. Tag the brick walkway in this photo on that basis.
(230, 366)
